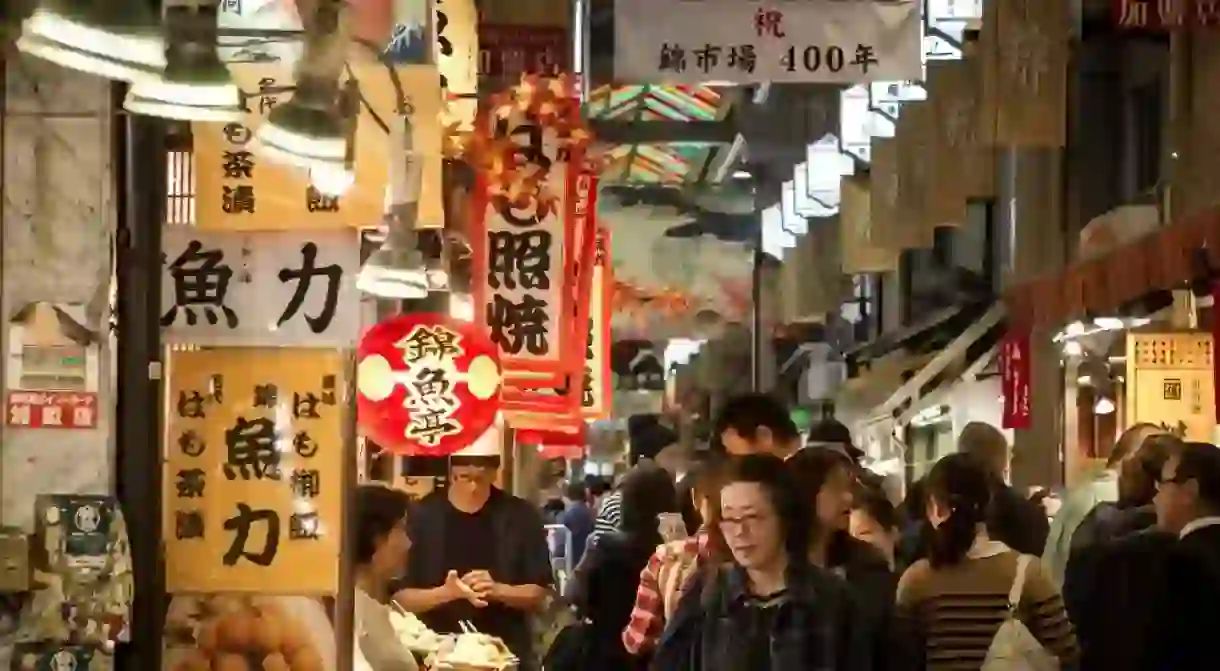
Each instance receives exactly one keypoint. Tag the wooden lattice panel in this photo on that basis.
(1160, 351)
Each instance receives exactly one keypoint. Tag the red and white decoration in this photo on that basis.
(427, 384)
(51, 410)
(1015, 379)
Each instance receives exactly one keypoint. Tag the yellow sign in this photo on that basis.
(1170, 383)
(236, 189)
(253, 471)
(457, 55)
(595, 401)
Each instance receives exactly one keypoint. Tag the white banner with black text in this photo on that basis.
(780, 41)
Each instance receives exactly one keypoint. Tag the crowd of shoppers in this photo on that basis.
(794, 558)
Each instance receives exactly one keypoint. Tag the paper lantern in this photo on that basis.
(428, 385)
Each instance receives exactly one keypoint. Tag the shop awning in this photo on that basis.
(974, 370)
(978, 337)
(1167, 258)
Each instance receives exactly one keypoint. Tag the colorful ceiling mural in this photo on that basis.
(662, 163)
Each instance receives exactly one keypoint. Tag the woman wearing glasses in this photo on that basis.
(761, 604)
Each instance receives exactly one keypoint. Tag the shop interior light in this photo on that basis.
(120, 39)
(397, 270)
(196, 85)
(1104, 406)
(461, 306)
(1073, 348)
(312, 129)
(1109, 323)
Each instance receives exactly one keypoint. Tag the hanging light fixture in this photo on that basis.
(310, 131)
(397, 270)
(195, 85)
(120, 39)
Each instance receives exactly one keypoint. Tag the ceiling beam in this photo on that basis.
(657, 132)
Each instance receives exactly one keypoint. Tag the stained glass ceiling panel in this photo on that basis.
(652, 103)
(668, 163)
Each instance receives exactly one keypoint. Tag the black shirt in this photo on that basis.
(506, 538)
(463, 553)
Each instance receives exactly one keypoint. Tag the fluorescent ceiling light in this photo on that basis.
(196, 85)
(397, 270)
(331, 181)
(742, 174)
(130, 51)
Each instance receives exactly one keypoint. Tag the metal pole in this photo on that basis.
(756, 308)
(345, 601)
(756, 312)
(140, 197)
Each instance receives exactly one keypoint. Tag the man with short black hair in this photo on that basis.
(1188, 504)
(757, 424)
(480, 556)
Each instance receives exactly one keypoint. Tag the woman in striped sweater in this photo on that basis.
(954, 602)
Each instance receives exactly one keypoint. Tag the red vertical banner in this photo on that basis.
(568, 398)
(523, 261)
(1015, 379)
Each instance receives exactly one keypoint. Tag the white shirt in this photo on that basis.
(1200, 523)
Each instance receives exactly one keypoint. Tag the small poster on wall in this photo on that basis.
(52, 377)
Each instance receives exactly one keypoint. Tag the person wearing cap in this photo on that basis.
(479, 555)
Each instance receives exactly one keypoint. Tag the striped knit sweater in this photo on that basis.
(957, 610)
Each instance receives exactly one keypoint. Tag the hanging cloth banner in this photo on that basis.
(965, 163)
(1015, 379)
(1025, 46)
(523, 258)
(916, 171)
(888, 220)
(236, 189)
(746, 43)
(860, 251)
(563, 401)
(253, 471)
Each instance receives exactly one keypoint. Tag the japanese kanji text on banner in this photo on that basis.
(253, 460)
(237, 190)
(734, 42)
(272, 289)
(522, 256)
(1170, 383)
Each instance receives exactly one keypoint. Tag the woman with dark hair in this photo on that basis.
(671, 568)
(957, 599)
(760, 604)
(827, 477)
(605, 583)
(381, 554)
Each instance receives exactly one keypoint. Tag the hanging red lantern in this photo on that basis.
(428, 385)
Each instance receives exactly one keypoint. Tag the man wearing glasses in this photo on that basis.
(479, 555)
(1188, 503)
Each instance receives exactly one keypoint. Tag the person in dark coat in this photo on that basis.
(1183, 632)
(1097, 540)
(827, 476)
(759, 603)
(605, 584)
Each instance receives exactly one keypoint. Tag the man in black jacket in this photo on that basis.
(1013, 520)
(1183, 632)
(479, 555)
